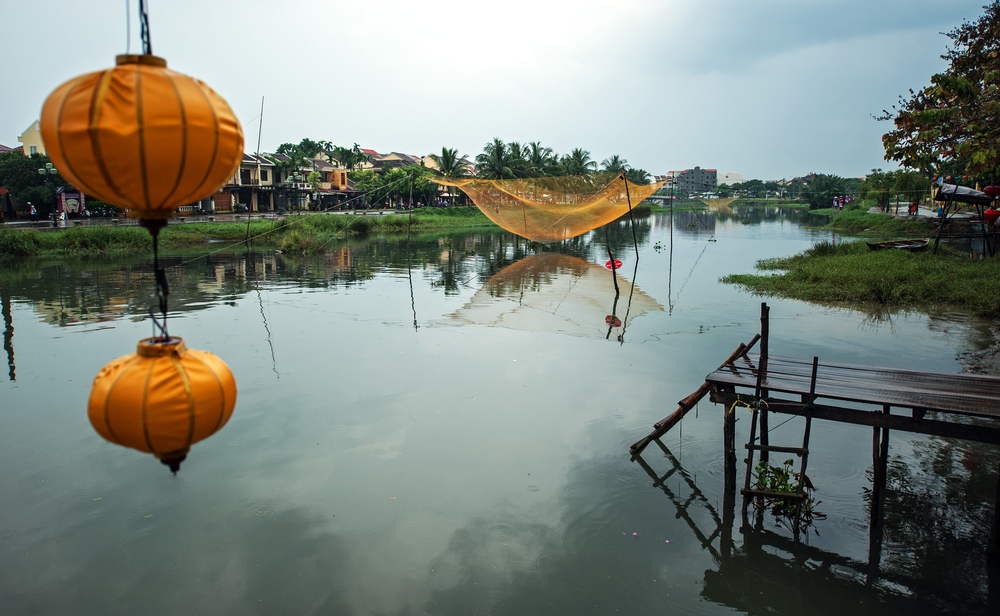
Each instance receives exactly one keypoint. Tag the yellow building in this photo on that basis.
(32, 139)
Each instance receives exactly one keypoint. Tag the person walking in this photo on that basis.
(33, 212)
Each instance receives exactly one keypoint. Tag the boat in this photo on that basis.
(911, 245)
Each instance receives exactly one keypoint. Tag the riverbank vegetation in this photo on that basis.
(868, 224)
(305, 233)
(854, 275)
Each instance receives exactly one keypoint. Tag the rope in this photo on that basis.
(147, 44)
(162, 291)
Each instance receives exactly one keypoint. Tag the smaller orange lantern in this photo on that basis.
(162, 399)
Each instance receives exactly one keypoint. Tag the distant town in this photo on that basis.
(318, 176)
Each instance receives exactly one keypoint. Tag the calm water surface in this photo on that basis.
(442, 428)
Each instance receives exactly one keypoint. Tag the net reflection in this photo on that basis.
(556, 293)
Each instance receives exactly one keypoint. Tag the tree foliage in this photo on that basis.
(952, 126)
(821, 189)
(449, 163)
(19, 173)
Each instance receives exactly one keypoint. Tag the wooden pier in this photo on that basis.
(883, 398)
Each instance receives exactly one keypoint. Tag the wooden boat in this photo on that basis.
(911, 245)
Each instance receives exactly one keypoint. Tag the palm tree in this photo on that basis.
(615, 164)
(578, 162)
(639, 177)
(449, 163)
(496, 163)
(541, 160)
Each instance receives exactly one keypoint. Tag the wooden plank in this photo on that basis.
(778, 448)
(976, 395)
(875, 418)
(664, 425)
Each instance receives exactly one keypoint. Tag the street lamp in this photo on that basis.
(45, 172)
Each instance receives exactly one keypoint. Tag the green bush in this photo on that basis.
(16, 243)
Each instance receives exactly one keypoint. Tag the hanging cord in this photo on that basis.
(635, 240)
(128, 28)
(290, 223)
(147, 44)
(162, 291)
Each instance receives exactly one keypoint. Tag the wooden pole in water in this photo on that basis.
(760, 392)
(993, 547)
(880, 454)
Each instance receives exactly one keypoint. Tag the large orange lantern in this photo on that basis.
(142, 137)
(162, 399)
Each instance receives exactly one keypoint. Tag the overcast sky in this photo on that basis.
(770, 89)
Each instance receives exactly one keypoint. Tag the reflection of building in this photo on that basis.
(31, 139)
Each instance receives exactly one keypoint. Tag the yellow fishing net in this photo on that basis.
(551, 209)
(720, 205)
(556, 293)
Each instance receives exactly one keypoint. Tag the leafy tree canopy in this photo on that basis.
(19, 173)
(952, 126)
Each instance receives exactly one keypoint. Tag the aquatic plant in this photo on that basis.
(783, 480)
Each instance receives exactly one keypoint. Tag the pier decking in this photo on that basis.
(962, 406)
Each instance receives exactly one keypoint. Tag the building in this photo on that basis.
(31, 139)
(730, 178)
(252, 188)
(693, 181)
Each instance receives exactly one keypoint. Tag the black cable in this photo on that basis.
(147, 44)
(162, 291)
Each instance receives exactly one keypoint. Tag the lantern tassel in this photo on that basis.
(174, 463)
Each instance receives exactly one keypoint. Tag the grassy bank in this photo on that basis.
(878, 280)
(307, 233)
(862, 222)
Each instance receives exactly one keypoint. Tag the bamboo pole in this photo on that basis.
(664, 425)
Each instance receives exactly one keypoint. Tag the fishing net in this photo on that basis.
(719, 205)
(552, 209)
(556, 293)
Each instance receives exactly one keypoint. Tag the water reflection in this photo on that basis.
(8, 328)
(556, 293)
(504, 448)
(935, 522)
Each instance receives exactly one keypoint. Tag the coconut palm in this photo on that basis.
(578, 162)
(449, 163)
(496, 162)
(639, 177)
(541, 161)
(615, 164)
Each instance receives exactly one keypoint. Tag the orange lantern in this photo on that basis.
(162, 399)
(142, 137)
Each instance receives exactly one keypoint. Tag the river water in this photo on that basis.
(441, 425)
